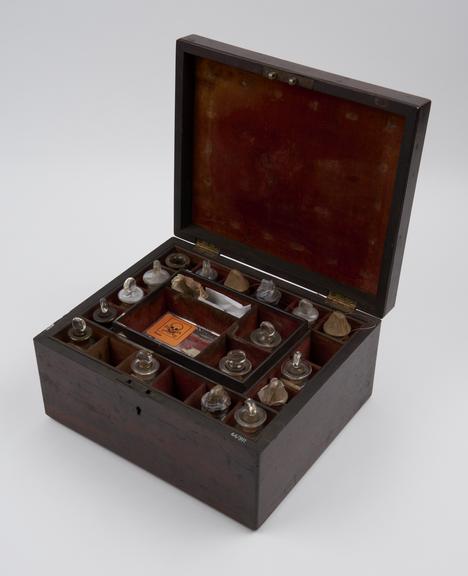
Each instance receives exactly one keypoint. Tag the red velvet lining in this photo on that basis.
(302, 175)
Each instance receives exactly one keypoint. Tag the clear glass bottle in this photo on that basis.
(250, 417)
(130, 292)
(266, 335)
(296, 370)
(207, 271)
(177, 261)
(306, 310)
(155, 276)
(80, 333)
(268, 292)
(235, 363)
(104, 314)
(145, 366)
(216, 402)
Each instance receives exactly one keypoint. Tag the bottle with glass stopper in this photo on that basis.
(268, 292)
(266, 335)
(235, 363)
(104, 314)
(207, 271)
(80, 333)
(274, 393)
(216, 402)
(250, 417)
(306, 310)
(155, 276)
(130, 292)
(296, 370)
(145, 366)
(177, 261)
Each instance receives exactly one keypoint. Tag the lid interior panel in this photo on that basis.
(307, 180)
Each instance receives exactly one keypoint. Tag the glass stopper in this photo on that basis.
(235, 363)
(104, 314)
(266, 335)
(79, 330)
(216, 401)
(274, 393)
(250, 416)
(297, 369)
(267, 291)
(155, 276)
(130, 293)
(145, 365)
(207, 271)
(305, 309)
(177, 261)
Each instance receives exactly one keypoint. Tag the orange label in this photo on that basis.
(171, 329)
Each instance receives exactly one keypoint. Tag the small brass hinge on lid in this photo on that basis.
(207, 248)
(341, 302)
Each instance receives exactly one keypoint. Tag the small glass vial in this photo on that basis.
(145, 366)
(216, 402)
(266, 335)
(177, 261)
(296, 370)
(235, 363)
(250, 417)
(104, 314)
(130, 293)
(80, 333)
(207, 271)
(306, 310)
(268, 292)
(155, 276)
(274, 393)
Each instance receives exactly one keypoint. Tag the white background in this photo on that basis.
(86, 176)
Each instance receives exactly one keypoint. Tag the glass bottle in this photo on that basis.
(235, 363)
(266, 335)
(155, 276)
(130, 293)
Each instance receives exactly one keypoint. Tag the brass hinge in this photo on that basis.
(341, 302)
(207, 248)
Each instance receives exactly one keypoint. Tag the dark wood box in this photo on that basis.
(283, 172)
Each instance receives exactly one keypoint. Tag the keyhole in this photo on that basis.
(138, 410)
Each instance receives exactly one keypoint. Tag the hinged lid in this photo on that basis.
(304, 174)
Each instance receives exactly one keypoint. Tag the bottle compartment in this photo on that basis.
(185, 383)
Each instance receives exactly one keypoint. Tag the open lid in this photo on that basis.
(304, 174)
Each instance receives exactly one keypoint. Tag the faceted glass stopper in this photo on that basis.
(297, 369)
(274, 393)
(145, 365)
(206, 271)
(79, 330)
(130, 292)
(237, 281)
(235, 363)
(266, 335)
(216, 400)
(104, 314)
(268, 292)
(305, 309)
(250, 416)
(177, 261)
(337, 325)
(155, 276)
